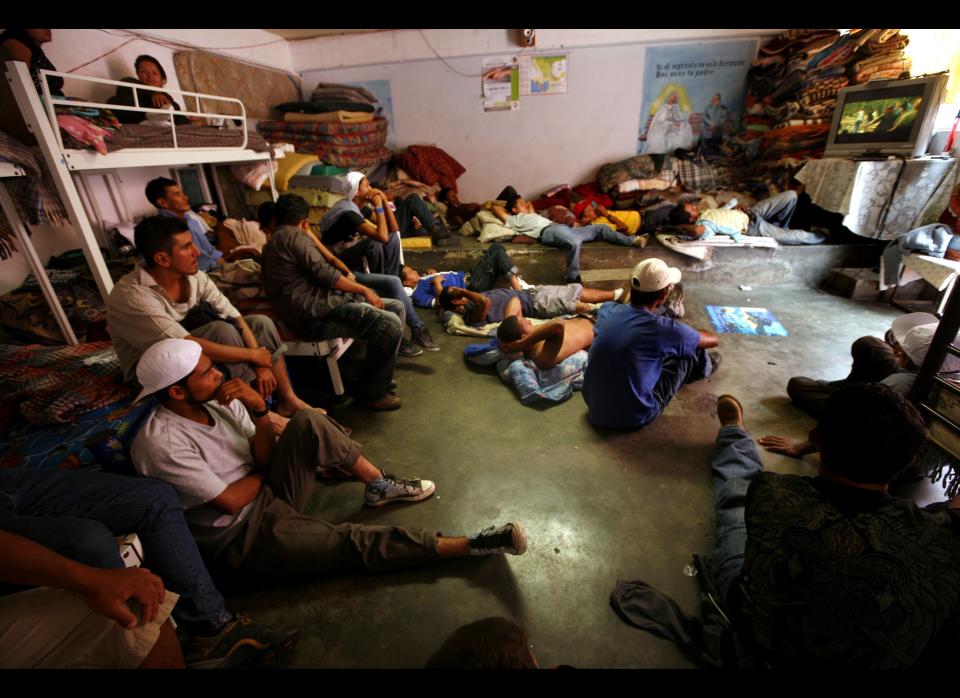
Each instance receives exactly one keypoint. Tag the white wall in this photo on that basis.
(71, 48)
(550, 140)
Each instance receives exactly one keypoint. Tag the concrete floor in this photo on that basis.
(597, 507)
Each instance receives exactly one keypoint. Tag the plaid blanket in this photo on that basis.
(55, 385)
(34, 195)
(378, 125)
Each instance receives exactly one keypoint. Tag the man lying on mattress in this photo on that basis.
(549, 343)
(539, 302)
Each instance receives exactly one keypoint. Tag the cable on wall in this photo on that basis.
(444, 60)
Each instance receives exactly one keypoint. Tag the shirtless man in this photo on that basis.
(546, 344)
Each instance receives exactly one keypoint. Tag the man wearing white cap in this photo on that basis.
(640, 359)
(893, 361)
(353, 238)
(244, 491)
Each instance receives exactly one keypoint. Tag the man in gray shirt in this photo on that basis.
(169, 297)
(245, 491)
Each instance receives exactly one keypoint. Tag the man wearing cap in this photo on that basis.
(245, 492)
(353, 238)
(640, 359)
(893, 361)
(168, 296)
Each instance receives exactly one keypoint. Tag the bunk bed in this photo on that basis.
(68, 164)
(65, 163)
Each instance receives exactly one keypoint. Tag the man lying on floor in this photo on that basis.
(245, 491)
(493, 266)
(832, 571)
(538, 302)
(640, 358)
(546, 344)
(167, 296)
(768, 218)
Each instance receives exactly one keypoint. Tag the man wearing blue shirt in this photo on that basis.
(494, 264)
(170, 200)
(640, 359)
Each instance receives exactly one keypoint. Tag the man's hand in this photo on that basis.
(108, 590)
(351, 276)
(783, 444)
(511, 347)
(266, 381)
(239, 389)
(431, 270)
(160, 100)
(372, 298)
(261, 357)
(456, 293)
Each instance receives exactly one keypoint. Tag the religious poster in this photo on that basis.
(501, 84)
(544, 75)
(693, 94)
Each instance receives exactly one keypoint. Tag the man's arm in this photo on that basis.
(618, 223)
(693, 230)
(795, 448)
(378, 232)
(500, 212)
(331, 258)
(480, 302)
(106, 590)
(708, 340)
(554, 328)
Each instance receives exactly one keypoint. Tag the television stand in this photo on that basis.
(875, 156)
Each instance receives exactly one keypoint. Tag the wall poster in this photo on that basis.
(693, 94)
(544, 74)
(501, 84)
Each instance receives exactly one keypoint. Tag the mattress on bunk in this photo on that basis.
(378, 125)
(26, 445)
(140, 136)
(57, 385)
(25, 311)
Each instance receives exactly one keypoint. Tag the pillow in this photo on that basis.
(290, 165)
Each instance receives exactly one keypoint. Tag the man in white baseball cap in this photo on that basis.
(640, 359)
(893, 360)
(245, 491)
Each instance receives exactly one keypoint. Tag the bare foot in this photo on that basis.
(279, 422)
(287, 408)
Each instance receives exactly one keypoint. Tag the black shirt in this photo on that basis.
(38, 60)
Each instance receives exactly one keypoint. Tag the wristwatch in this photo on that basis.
(262, 413)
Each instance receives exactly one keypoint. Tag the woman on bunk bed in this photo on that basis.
(151, 74)
(24, 45)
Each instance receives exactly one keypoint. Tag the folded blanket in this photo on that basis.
(330, 90)
(324, 106)
(430, 165)
(345, 117)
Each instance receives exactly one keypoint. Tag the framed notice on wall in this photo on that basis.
(501, 84)
(544, 75)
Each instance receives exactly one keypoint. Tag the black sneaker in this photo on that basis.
(716, 358)
(423, 338)
(408, 349)
(240, 643)
(508, 539)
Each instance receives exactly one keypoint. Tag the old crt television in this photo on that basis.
(888, 117)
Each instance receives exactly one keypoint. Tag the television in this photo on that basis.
(886, 117)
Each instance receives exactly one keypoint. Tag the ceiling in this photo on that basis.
(294, 34)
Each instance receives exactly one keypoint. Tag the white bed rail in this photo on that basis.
(51, 102)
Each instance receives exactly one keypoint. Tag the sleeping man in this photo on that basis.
(494, 265)
(540, 302)
(549, 343)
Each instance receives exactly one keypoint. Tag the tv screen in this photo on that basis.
(880, 116)
(892, 117)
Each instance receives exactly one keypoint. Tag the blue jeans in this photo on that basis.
(570, 239)
(80, 514)
(735, 464)
(769, 218)
(381, 329)
(390, 287)
(676, 373)
(382, 257)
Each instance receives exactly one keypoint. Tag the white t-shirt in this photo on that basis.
(200, 461)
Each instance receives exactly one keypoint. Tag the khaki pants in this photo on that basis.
(278, 541)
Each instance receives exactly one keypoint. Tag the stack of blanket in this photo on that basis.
(880, 58)
(430, 165)
(343, 144)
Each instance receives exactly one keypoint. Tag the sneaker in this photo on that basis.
(387, 488)
(422, 337)
(716, 358)
(524, 286)
(674, 305)
(385, 404)
(508, 539)
(617, 294)
(641, 240)
(409, 349)
(240, 643)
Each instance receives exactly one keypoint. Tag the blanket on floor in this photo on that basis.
(703, 250)
(532, 385)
